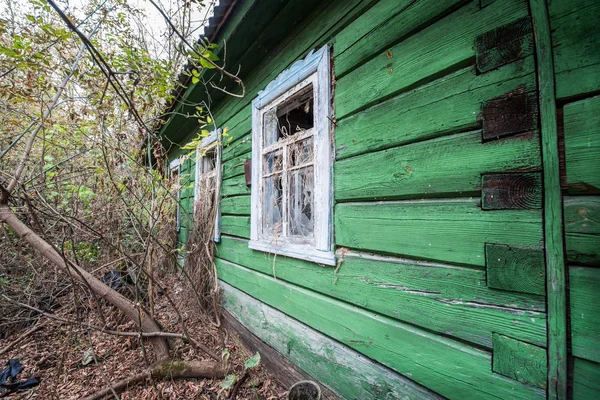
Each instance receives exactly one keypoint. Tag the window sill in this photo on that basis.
(303, 252)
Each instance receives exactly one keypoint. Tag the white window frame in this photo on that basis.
(213, 140)
(175, 166)
(315, 69)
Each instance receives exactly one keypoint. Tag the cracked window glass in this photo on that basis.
(288, 168)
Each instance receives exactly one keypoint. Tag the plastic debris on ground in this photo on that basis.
(9, 382)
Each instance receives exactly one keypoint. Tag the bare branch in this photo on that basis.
(17, 176)
(221, 69)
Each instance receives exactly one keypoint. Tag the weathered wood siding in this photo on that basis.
(438, 199)
(577, 65)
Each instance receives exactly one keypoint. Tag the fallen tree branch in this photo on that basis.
(181, 336)
(146, 324)
(171, 370)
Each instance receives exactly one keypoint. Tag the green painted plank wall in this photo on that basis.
(582, 229)
(576, 46)
(411, 290)
(449, 104)
(586, 380)
(576, 50)
(235, 186)
(445, 366)
(384, 24)
(582, 147)
(585, 308)
(352, 375)
(448, 166)
(437, 48)
(454, 231)
(450, 300)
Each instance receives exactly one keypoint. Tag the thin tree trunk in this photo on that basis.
(136, 314)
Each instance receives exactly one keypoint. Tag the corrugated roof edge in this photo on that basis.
(221, 13)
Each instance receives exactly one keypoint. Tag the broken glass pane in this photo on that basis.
(273, 192)
(208, 161)
(296, 114)
(271, 130)
(273, 162)
(300, 207)
(301, 152)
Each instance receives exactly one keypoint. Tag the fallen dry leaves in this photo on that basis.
(54, 354)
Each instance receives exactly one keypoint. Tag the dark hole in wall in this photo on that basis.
(296, 114)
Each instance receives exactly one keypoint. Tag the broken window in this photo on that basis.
(205, 176)
(288, 177)
(208, 178)
(174, 172)
(291, 165)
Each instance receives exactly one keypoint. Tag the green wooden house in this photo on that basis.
(409, 192)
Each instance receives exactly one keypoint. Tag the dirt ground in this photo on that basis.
(57, 351)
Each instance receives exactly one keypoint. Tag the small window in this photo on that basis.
(292, 162)
(208, 177)
(174, 173)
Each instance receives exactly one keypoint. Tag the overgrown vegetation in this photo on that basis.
(84, 193)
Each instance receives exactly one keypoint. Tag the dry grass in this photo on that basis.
(199, 268)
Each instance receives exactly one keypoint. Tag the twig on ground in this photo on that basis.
(193, 342)
(37, 327)
(238, 385)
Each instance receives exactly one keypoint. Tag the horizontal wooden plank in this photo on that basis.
(449, 104)
(454, 301)
(582, 214)
(447, 166)
(237, 127)
(445, 366)
(582, 229)
(351, 374)
(520, 361)
(511, 191)
(234, 186)
(584, 284)
(582, 144)
(515, 269)
(236, 225)
(238, 205)
(237, 148)
(280, 368)
(583, 248)
(446, 44)
(586, 380)
(576, 46)
(383, 25)
(234, 166)
(453, 231)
